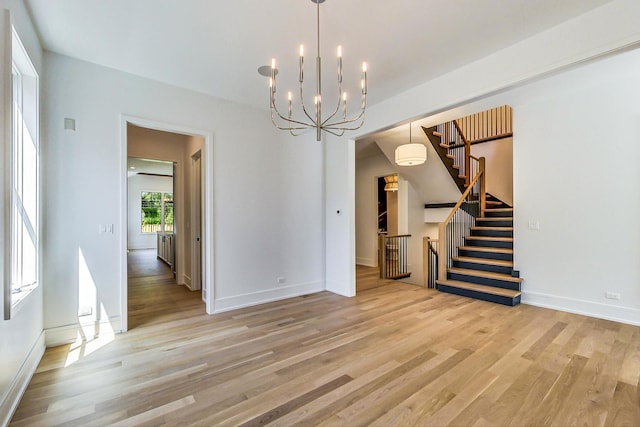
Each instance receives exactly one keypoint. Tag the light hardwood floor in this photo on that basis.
(392, 355)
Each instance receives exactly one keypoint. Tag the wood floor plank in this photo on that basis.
(395, 354)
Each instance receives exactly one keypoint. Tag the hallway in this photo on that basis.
(153, 296)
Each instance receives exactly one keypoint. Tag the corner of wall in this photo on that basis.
(10, 402)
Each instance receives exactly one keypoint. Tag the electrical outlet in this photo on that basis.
(612, 295)
(534, 225)
(281, 280)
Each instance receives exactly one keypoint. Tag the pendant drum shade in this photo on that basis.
(411, 154)
(391, 183)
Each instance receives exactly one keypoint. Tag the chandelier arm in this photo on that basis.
(289, 128)
(329, 130)
(288, 119)
(337, 106)
(304, 107)
(340, 125)
(345, 122)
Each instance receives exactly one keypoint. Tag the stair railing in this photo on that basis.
(429, 261)
(459, 148)
(470, 206)
(393, 256)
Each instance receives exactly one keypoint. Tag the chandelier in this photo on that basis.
(337, 122)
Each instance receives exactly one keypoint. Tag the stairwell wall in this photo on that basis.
(575, 148)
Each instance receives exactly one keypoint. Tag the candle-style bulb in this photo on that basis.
(364, 67)
(289, 96)
(301, 50)
(339, 51)
(273, 63)
(344, 96)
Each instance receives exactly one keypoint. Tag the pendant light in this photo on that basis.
(411, 154)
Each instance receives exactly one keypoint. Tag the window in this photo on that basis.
(157, 212)
(23, 169)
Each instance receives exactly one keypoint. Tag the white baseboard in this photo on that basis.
(586, 308)
(336, 288)
(186, 280)
(68, 334)
(139, 247)
(21, 381)
(269, 295)
(368, 262)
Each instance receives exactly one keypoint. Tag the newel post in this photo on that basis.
(442, 251)
(483, 187)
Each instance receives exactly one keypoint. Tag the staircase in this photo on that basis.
(483, 268)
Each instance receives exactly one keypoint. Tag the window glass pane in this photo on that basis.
(168, 212)
(24, 166)
(151, 211)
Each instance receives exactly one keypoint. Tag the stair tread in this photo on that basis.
(496, 218)
(490, 238)
(480, 288)
(499, 210)
(496, 262)
(485, 274)
(479, 227)
(486, 249)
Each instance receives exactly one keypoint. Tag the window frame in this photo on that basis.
(21, 160)
(163, 212)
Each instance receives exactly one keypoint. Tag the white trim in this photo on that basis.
(21, 381)
(367, 262)
(208, 193)
(351, 200)
(586, 308)
(67, 334)
(269, 295)
(186, 280)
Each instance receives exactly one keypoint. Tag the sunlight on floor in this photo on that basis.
(89, 339)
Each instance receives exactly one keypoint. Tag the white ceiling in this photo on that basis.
(146, 166)
(215, 46)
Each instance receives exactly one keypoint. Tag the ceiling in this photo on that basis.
(147, 166)
(216, 46)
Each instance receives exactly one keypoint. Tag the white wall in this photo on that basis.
(267, 190)
(21, 338)
(499, 167)
(575, 141)
(137, 184)
(340, 236)
(577, 172)
(366, 208)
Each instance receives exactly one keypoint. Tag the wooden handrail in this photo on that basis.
(442, 227)
(399, 235)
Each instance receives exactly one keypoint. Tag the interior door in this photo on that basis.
(196, 223)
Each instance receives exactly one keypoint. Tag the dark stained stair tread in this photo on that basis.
(492, 228)
(485, 274)
(490, 238)
(496, 218)
(497, 262)
(487, 249)
(480, 288)
(499, 210)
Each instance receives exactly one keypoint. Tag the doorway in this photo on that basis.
(196, 223)
(187, 149)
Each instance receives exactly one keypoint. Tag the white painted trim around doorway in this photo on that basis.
(207, 201)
